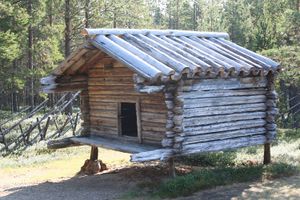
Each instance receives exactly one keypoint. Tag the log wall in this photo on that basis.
(217, 114)
(107, 88)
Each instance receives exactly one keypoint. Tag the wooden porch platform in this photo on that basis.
(109, 143)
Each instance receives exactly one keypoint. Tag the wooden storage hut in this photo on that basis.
(164, 93)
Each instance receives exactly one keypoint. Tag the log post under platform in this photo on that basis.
(93, 165)
(94, 153)
(267, 153)
(171, 165)
(271, 112)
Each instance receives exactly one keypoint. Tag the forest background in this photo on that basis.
(36, 35)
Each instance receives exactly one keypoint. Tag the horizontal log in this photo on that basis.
(112, 79)
(156, 109)
(121, 98)
(110, 73)
(153, 133)
(103, 121)
(103, 130)
(113, 92)
(225, 84)
(221, 93)
(227, 126)
(223, 135)
(158, 154)
(112, 87)
(90, 32)
(222, 110)
(222, 101)
(160, 118)
(223, 144)
(103, 106)
(150, 89)
(146, 127)
(114, 84)
(222, 118)
(104, 113)
(63, 88)
(61, 143)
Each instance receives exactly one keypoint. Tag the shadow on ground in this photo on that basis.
(106, 185)
(283, 188)
(114, 184)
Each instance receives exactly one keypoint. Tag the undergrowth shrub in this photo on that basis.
(210, 159)
(211, 177)
(288, 134)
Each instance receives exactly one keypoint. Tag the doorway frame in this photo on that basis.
(138, 120)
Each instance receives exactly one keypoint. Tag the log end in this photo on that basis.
(84, 32)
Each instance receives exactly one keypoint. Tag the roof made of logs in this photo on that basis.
(168, 54)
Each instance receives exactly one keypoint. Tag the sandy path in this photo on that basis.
(284, 188)
(113, 185)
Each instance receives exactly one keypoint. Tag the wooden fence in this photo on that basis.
(38, 129)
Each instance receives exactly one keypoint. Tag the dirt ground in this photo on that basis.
(115, 183)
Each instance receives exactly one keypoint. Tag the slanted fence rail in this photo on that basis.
(38, 127)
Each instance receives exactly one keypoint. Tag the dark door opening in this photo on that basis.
(128, 119)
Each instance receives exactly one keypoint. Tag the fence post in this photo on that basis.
(43, 133)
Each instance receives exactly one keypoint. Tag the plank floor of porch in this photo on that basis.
(114, 144)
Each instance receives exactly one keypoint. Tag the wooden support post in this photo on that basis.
(93, 165)
(267, 154)
(94, 153)
(271, 112)
(171, 164)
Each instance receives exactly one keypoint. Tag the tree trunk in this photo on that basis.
(68, 32)
(14, 106)
(50, 11)
(68, 28)
(30, 59)
(86, 13)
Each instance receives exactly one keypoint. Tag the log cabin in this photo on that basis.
(158, 94)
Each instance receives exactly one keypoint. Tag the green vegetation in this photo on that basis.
(207, 178)
(35, 36)
(223, 168)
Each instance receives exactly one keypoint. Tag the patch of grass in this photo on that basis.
(288, 134)
(210, 159)
(208, 178)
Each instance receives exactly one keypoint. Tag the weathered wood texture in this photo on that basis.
(217, 114)
(270, 117)
(108, 87)
(85, 112)
(56, 84)
(119, 145)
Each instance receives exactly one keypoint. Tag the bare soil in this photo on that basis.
(113, 184)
